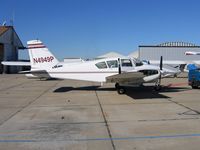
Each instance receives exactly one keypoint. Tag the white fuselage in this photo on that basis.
(88, 70)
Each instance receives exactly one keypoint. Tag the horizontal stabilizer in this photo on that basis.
(16, 63)
(37, 73)
(24, 72)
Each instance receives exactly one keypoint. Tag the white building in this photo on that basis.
(171, 51)
(109, 55)
(134, 54)
(9, 46)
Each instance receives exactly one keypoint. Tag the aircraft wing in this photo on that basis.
(16, 63)
(127, 77)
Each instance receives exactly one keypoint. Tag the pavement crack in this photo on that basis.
(22, 108)
(13, 86)
(106, 122)
(170, 119)
(182, 105)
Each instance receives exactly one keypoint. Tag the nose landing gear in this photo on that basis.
(157, 86)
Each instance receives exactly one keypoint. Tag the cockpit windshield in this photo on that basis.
(101, 65)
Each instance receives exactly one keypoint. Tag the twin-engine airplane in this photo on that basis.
(121, 71)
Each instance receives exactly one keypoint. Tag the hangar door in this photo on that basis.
(1, 57)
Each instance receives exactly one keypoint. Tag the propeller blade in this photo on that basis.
(119, 67)
(161, 62)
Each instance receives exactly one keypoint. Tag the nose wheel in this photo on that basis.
(157, 86)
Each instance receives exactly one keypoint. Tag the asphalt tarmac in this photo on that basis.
(77, 115)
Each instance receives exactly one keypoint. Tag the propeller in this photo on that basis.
(161, 62)
(119, 67)
(161, 67)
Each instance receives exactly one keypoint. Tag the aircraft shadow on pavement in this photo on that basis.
(144, 92)
(69, 88)
(148, 92)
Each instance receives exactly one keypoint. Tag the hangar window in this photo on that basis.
(112, 64)
(126, 63)
(101, 65)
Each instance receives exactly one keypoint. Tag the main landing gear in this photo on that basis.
(120, 89)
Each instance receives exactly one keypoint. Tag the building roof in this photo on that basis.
(110, 55)
(3, 29)
(172, 44)
(180, 44)
(134, 54)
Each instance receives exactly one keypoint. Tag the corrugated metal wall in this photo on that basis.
(10, 42)
(1, 57)
(168, 53)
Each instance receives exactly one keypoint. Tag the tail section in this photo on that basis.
(40, 57)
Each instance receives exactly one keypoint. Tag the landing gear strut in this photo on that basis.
(120, 89)
(157, 86)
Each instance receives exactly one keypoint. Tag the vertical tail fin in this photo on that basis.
(40, 57)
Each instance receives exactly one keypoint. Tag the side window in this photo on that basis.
(112, 64)
(101, 65)
(126, 63)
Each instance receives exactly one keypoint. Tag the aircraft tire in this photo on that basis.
(194, 87)
(157, 88)
(121, 90)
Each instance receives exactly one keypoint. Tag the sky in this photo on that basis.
(88, 28)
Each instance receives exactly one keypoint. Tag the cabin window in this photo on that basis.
(112, 64)
(101, 65)
(126, 63)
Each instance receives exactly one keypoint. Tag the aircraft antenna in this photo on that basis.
(4, 23)
(12, 19)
